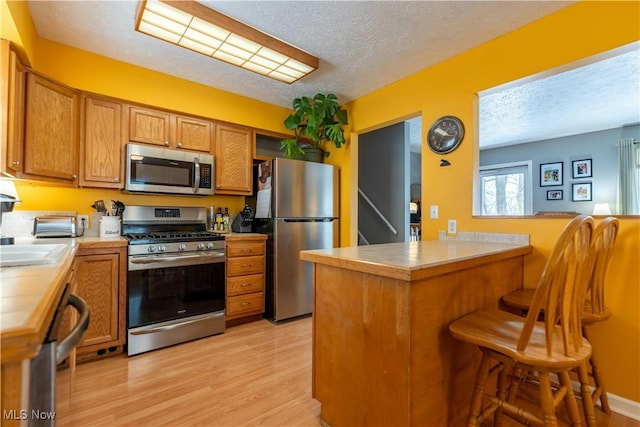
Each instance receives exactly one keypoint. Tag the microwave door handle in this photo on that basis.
(196, 178)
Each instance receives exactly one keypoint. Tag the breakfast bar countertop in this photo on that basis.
(414, 260)
(380, 322)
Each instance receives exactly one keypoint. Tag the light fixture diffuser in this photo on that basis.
(193, 26)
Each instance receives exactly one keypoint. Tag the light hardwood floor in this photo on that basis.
(256, 374)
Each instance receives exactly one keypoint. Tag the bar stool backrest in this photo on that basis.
(561, 289)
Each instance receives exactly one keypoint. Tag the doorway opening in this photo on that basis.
(389, 183)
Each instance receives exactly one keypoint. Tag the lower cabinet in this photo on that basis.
(101, 279)
(245, 276)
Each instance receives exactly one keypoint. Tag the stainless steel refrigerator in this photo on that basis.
(297, 206)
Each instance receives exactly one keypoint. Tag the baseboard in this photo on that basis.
(626, 407)
(619, 405)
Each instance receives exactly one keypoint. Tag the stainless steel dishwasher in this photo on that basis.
(42, 371)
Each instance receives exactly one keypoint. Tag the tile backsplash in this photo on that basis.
(20, 223)
(512, 238)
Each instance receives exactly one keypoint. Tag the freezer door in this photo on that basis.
(304, 189)
(293, 277)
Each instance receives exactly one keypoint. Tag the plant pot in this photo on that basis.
(313, 154)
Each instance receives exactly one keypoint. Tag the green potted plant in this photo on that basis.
(318, 120)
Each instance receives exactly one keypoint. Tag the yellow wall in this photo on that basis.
(576, 32)
(451, 87)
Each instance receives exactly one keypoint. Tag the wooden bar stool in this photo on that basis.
(512, 345)
(594, 309)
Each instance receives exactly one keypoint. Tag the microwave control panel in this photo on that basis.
(205, 176)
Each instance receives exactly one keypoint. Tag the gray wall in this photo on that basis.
(599, 146)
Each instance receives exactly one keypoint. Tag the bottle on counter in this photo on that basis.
(218, 225)
(211, 217)
(225, 219)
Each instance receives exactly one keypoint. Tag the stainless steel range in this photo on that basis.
(175, 279)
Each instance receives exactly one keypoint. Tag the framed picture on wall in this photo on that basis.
(550, 174)
(581, 169)
(554, 194)
(581, 192)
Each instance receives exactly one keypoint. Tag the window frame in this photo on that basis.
(528, 184)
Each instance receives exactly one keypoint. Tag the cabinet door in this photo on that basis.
(149, 126)
(13, 86)
(99, 283)
(102, 154)
(233, 152)
(194, 134)
(51, 133)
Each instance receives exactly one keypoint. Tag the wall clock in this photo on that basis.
(445, 134)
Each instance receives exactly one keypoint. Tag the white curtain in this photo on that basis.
(629, 182)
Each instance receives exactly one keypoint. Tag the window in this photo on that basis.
(505, 189)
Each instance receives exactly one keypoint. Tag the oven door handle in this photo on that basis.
(173, 326)
(153, 260)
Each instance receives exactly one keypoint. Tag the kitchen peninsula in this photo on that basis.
(382, 353)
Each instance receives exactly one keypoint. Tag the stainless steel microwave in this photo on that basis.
(163, 170)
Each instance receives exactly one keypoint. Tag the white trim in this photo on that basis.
(623, 406)
(619, 405)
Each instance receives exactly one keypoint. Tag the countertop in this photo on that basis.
(413, 260)
(30, 294)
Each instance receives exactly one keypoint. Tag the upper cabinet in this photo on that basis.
(51, 130)
(157, 127)
(12, 87)
(102, 151)
(233, 154)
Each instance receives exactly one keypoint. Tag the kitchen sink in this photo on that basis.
(37, 254)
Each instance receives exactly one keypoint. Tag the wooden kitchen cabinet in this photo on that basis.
(12, 89)
(101, 279)
(157, 127)
(102, 150)
(51, 131)
(245, 276)
(234, 160)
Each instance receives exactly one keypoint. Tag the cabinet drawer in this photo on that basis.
(235, 249)
(245, 265)
(245, 284)
(243, 304)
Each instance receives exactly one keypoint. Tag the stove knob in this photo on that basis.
(201, 246)
(151, 249)
(210, 245)
(182, 247)
(162, 248)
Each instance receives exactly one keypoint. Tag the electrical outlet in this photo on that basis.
(79, 223)
(434, 211)
(452, 226)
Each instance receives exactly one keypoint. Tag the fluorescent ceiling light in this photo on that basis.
(198, 28)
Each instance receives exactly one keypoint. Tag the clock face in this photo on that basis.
(445, 134)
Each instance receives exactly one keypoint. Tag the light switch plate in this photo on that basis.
(452, 226)
(434, 212)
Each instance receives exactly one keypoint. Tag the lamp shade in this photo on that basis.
(601, 209)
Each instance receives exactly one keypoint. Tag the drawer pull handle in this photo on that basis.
(247, 265)
(246, 250)
(245, 285)
(245, 303)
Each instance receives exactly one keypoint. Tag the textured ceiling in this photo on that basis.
(604, 94)
(362, 45)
